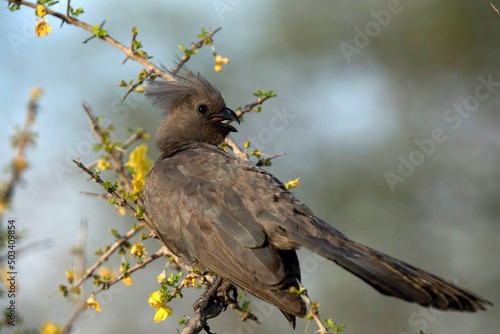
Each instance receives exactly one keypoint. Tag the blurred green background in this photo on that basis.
(360, 83)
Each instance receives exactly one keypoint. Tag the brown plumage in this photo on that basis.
(240, 222)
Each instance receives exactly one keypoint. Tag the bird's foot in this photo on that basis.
(219, 292)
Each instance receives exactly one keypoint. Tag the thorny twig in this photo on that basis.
(19, 162)
(80, 267)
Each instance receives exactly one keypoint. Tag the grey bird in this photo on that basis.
(241, 223)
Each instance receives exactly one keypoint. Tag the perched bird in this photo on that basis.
(240, 222)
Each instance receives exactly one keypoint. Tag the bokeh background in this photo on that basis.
(355, 107)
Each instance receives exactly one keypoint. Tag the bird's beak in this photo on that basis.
(229, 115)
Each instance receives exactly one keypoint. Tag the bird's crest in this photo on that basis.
(166, 95)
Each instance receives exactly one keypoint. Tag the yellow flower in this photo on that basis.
(104, 164)
(155, 299)
(49, 327)
(121, 211)
(162, 310)
(292, 184)
(141, 165)
(146, 136)
(42, 28)
(127, 280)
(41, 11)
(190, 280)
(19, 163)
(162, 313)
(91, 302)
(160, 278)
(71, 276)
(138, 250)
(219, 61)
(35, 93)
(106, 272)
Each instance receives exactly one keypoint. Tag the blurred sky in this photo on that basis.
(359, 84)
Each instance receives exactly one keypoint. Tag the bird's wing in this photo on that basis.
(199, 212)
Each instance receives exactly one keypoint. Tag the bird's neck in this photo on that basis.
(170, 138)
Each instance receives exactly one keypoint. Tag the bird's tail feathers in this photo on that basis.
(389, 275)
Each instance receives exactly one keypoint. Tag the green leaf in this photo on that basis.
(98, 32)
(140, 212)
(75, 12)
(110, 186)
(13, 7)
(137, 45)
(114, 233)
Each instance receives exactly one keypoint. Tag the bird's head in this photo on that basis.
(195, 111)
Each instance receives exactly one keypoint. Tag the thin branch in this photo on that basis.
(104, 257)
(262, 162)
(93, 36)
(19, 162)
(114, 154)
(236, 149)
(132, 139)
(119, 199)
(80, 267)
(108, 39)
(134, 35)
(131, 88)
(194, 46)
(163, 251)
(496, 10)
(249, 107)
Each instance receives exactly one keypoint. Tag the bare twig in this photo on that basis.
(132, 139)
(496, 10)
(80, 267)
(249, 107)
(262, 162)
(236, 149)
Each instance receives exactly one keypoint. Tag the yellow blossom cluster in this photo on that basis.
(138, 250)
(91, 302)
(190, 280)
(127, 280)
(219, 60)
(42, 28)
(70, 275)
(160, 278)
(162, 310)
(49, 327)
(141, 164)
(104, 164)
(292, 184)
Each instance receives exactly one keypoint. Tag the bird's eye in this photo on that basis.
(203, 108)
